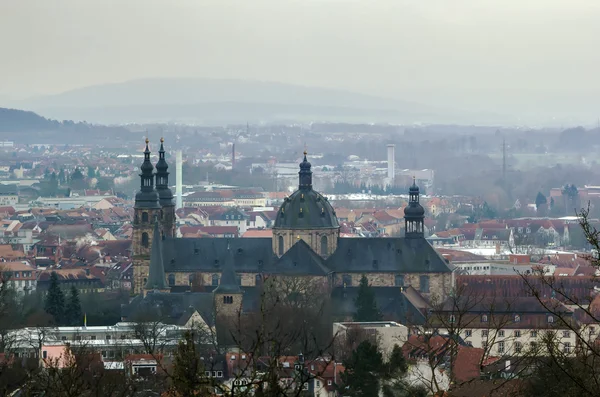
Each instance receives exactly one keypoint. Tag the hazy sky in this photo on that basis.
(484, 53)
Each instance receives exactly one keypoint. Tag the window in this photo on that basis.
(517, 334)
(318, 384)
(518, 347)
(63, 338)
(215, 280)
(191, 279)
(219, 374)
(144, 217)
(424, 284)
(347, 280)
(468, 333)
(399, 280)
(501, 333)
(517, 318)
(93, 337)
(324, 249)
(107, 337)
(171, 279)
(500, 347)
(228, 300)
(257, 279)
(145, 240)
(484, 333)
(280, 245)
(550, 319)
(566, 334)
(44, 354)
(329, 383)
(567, 347)
(452, 319)
(484, 318)
(534, 334)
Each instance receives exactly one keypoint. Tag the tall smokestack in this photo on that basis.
(391, 163)
(233, 156)
(179, 181)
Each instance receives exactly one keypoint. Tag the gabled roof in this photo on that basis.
(300, 259)
(210, 254)
(386, 255)
(392, 303)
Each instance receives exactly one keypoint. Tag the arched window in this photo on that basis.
(191, 279)
(257, 279)
(145, 217)
(280, 245)
(215, 280)
(324, 249)
(171, 280)
(484, 318)
(145, 240)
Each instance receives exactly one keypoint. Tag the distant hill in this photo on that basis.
(225, 101)
(28, 127)
(14, 120)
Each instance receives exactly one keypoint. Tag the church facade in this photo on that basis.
(305, 244)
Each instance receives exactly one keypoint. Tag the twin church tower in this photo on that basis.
(154, 207)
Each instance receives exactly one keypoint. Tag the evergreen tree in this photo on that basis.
(366, 307)
(363, 371)
(77, 180)
(55, 300)
(188, 369)
(91, 172)
(541, 203)
(62, 178)
(73, 314)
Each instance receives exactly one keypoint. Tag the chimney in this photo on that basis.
(179, 181)
(391, 163)
(497, 248)
(233, 156)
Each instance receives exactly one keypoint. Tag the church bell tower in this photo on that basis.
(146, 210)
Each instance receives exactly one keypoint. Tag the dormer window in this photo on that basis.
(517, 318)
(484, 318)
(550, 319)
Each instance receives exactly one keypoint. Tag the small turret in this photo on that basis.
(414, 214)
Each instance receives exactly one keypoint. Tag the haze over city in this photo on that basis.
(299, 198)
(517, 62)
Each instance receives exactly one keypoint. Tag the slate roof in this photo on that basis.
(156, 271)
(169, 308)
(299, 260)
(211, 254)
(306, 209)
(392, 303)
(399, 255)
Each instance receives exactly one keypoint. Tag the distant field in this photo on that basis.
(525, 161)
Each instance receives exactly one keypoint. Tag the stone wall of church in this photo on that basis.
(440, 284)
(169, 221)
(228, 308)
(143, 231)
(311, 237)
(140, 273)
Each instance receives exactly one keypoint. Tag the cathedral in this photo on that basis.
(305, 243)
